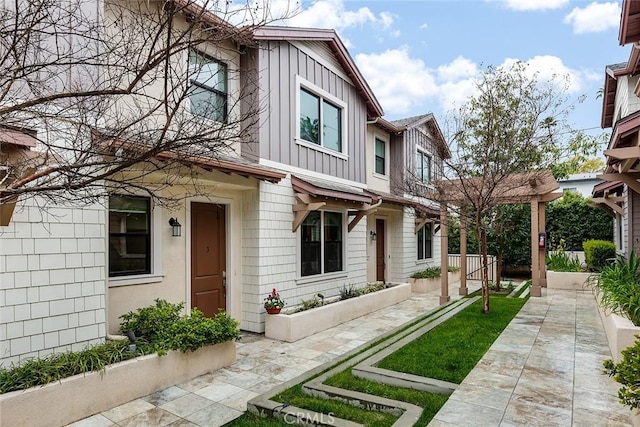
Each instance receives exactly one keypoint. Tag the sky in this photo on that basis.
(421, 56)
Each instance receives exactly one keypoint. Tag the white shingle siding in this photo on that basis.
(271, 252)
(52, 280)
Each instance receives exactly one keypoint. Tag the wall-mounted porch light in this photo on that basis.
(176, 227)
(373, 235)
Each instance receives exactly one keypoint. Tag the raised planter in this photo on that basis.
(620, 332)
(566, 280)
(83, 395)
(292, 327)
(454, 277)
(425, 285)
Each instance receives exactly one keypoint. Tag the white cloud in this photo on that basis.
(333, 14)
(404, 84)
(523, 5)
(458, 69)
(424, 26)
(594, 18)
(552, 69)
(399, 81)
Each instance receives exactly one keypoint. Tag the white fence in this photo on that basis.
(474, 265)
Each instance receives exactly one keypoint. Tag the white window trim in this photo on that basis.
(424, 152)
(386, 157)
(305, 84)
(191, 73)
(156, 274)
(322, 276)
(425, 259)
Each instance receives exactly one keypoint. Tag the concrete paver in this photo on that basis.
(545, 369)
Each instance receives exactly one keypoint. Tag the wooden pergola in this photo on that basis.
(534, 188)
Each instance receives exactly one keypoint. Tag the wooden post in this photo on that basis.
(444, 255)
(463, 253)
(536, 290)
(542, 255)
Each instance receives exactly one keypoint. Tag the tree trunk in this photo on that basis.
(498, 269)
(485, 267)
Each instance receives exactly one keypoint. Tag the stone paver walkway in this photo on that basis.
(545, 369)
(214, 399)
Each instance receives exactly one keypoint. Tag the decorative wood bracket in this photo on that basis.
(304, 207)
(550, 197)
(610, 202)
(365, 211)
(420, 222)
(631, 179)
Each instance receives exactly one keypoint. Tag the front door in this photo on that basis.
(380, 257)
(208, 258)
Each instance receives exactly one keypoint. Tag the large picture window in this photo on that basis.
(321, 243)
(320, 121)
(425, 242)
(129, 236)
(208, 91)
(423, 167)
(380, 157)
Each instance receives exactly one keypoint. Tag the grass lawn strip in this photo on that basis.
(264, 406)
(367, 369)
(518, 289)
(463, 340)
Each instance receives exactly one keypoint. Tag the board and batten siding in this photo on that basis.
(419, 138)
(278, 64)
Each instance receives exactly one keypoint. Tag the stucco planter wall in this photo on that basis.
(83, 395)
(292, 327)
(566, 280)
(620, 332)
(425, 285)
(454, 277)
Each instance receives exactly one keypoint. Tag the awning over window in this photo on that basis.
(313, 194)
(14, 137)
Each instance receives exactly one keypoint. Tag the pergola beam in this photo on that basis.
(623, 153)
(629, 178)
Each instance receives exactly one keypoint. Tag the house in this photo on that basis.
(620, 193)
(282, 205)
(581, 183)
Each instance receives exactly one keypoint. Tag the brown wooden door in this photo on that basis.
(380, 255)
(208, 258)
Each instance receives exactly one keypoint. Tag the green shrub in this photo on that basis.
(618, 287)
(162, 327)
(35, 372)
(428, 273)
(350, 292)
(627, 373)
(373, 287)
(151, 323)
(598, 254)
(561, 261)
(453, 269)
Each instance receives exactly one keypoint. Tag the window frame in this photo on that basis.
(385, 145)
(155, 273)
(424, 243)
(324, 97)
(322, 256)
(424, 154)
(193, 74)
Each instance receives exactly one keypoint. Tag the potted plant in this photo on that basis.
(273, 303)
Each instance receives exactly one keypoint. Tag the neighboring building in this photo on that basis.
(620, 194)
(313, 201)
(581, 183)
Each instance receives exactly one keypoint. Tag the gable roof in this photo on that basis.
(337, 47)
(611, 74)
(629, 22)
(430, 120)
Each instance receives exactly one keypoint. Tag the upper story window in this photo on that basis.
(208, 91)
(321, 118)
(129, 235)
(381, 157)
(425, 242)
(322, 234)
(423, 167)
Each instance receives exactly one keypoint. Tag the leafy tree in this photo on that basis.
(503, 141)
